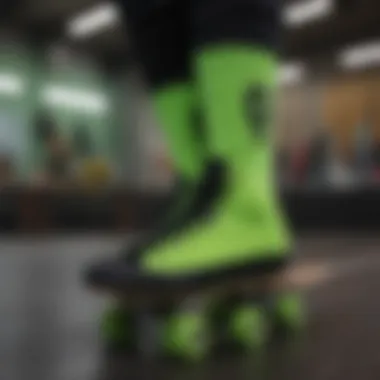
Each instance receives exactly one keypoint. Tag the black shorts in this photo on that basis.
(166, 32)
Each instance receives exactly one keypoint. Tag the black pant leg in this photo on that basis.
(159, 32)
(242, 21)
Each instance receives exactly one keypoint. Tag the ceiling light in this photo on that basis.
(292, 73)
(75, 99)
(93, 21)
(11, 84)
(360, 56)
(302, 12)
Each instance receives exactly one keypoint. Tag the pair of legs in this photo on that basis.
(211, 66)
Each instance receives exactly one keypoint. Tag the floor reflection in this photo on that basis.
(49, 321)
(280, 360)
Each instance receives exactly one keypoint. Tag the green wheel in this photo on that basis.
(186, 336)
(289, 312)
(249, 326)
(117, 329)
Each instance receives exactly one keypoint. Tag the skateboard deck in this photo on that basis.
(298, 276)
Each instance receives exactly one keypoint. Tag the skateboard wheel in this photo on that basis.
(186, 336)
(249, 326)
(290, 312)
(116, 329)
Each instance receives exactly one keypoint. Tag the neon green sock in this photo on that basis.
(237, 87)
(174, 106)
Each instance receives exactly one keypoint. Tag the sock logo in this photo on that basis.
(257, 107)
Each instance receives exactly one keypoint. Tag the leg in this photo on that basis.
(235, 67)
(159, 34)
(161, 41)
(244, 227)
(235, 70)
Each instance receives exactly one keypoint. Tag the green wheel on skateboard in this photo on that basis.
(249, 326)
(117, 329)
(289, 312)
(186, 336)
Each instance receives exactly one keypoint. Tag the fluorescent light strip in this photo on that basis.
(302, 12)
(106, 15)
(75, 99)
(11, 84)
(360, 56)
(292, 73)
(93, 21)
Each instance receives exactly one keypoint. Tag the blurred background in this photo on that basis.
(80, 152)
(74, 118)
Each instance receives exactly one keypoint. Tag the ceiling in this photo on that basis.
(44, 21)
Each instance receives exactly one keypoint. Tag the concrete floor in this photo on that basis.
(49, 321)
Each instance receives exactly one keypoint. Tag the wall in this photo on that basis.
(20, 108)
(299, 114)
(336, 105)
(350, 101)
(17, 74)
(97, 118)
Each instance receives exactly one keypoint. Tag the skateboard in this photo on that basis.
(190, 324)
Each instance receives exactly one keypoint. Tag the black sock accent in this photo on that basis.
(203, 197)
